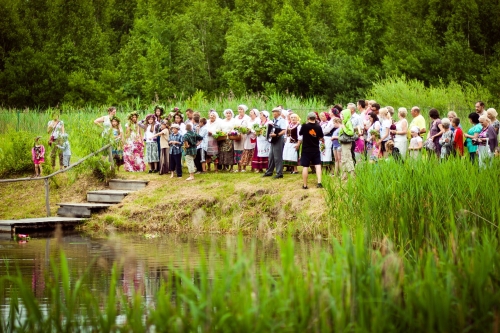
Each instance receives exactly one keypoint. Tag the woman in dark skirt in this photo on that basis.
(226, 149)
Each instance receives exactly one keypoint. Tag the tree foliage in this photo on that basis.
(100, 51)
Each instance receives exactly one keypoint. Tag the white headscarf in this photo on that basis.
(243, 106)
(257, 113)
(214, 112)
(265, 113)
(284, 113)
(230, 111)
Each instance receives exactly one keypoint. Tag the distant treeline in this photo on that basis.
(107, 52)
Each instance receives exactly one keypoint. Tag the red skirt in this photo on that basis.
(259, 163)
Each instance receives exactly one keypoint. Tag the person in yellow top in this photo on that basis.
(418, 121)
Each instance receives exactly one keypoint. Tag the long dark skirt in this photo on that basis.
(164, 161)
(226, 152)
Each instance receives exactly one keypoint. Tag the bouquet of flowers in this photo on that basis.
(322, 147)
(241, 129)
(260, 130)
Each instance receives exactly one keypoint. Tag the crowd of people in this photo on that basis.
(276, 142)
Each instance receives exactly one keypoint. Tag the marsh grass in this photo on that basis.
(449, 286)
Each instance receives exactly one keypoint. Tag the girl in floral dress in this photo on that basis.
(133, 151)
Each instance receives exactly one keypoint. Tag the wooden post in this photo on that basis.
(47, 203)
(110, 157)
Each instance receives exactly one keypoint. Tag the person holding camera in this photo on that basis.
(276, 136)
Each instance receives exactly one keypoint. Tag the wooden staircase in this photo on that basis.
(70, 214)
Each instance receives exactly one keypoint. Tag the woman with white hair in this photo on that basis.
(250, 140)
(292, 144)
(487, 142)
(446, 140)
(260, 158)
(241, 120)
(492, 116)
(213, 125)
(226, 149)
(400, 138)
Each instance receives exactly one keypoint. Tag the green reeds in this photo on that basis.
(449, 286)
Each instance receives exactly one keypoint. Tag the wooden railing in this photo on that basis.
(47, 178)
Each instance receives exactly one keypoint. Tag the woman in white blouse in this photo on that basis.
(213, 125)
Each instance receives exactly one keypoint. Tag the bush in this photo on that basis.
(15, 152)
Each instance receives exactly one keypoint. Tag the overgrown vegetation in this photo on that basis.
(102, 52)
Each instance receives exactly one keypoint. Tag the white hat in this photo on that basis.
(415, 129)
(257, 112)
(243, 106)
(175, 126)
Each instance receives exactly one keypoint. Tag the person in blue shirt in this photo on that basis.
(277, 142)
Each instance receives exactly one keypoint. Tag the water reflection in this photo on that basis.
(144, 261)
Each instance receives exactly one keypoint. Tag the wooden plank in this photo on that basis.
(108, 196)
(85, 204)
(132, 185)
(44, 223)
(74, 211)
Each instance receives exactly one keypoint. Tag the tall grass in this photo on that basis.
(403, 92)
(450, 286)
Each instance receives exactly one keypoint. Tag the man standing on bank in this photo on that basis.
(310, 135)
(277, 143)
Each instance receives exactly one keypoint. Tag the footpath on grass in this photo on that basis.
(213, 203)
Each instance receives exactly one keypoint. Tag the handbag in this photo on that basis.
(52, 139)
(429, 145)
(344, 138)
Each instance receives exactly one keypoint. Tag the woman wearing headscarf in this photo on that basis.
(213, 125)
(250, 140)
(241, 120)
(347, 129)
(260, 158)
(226, 149)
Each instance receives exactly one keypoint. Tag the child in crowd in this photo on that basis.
(203, 145)
(152, 154)
(164, 135)
(66, 150)
(118, 139)
(190, 142)
(458, 137)
(446, 140)
(393, 151)
(336, 147)
(375, 139)
(175, 143)
(416, 143)
(38, 156)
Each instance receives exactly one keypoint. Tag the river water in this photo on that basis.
(144, 260)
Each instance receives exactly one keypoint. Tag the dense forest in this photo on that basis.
(109, 51)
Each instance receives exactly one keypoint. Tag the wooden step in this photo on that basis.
(71, 209)
(127, 185)
(42, 223)
(106, 196)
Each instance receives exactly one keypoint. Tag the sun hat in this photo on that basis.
(175, 126)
